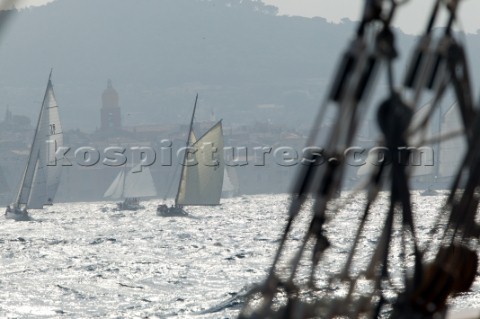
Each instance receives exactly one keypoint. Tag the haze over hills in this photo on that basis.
(246, 63)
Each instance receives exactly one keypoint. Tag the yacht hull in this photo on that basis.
(172, 211)
(17, 215)
(126, 206)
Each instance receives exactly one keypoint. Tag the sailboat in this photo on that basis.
(202, 171)
(131, 186)
(41, 177)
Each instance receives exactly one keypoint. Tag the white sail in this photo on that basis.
(451, 150)
(54, 138)
(139, 183)
(38, 192)
(227, 183)
(115, 191)
(40, 180)
(230, 182)
(134, 183)
(201, 183)
(48, 170)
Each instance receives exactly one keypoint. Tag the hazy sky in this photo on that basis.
(411, 19)
(4, 4)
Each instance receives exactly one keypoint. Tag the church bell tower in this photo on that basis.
(110, 114)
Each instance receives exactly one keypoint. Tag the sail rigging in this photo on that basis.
(190, 136)
(366, 290)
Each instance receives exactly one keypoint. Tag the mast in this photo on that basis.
(32, 157)
(186, 150)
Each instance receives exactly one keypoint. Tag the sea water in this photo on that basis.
(86, 260)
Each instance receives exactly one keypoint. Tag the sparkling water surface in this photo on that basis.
(85, 260)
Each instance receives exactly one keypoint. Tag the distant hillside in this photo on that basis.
(247, 63)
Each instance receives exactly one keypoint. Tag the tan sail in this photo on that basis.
(202, 177)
